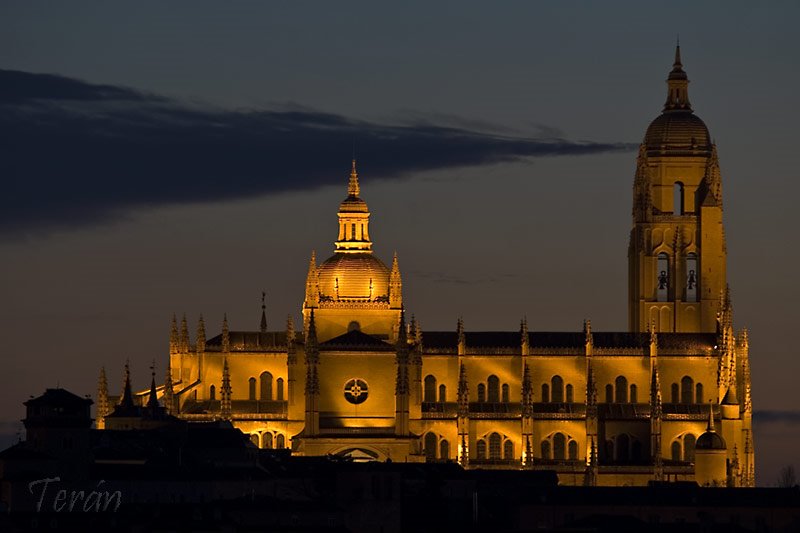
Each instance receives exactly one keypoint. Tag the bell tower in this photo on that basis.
(676, 253)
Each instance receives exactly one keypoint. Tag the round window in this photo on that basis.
(355, 391)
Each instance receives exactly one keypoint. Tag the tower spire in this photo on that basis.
(152, 399)
(263, 312)
(127, 395)
(678, 86)
(352, 188)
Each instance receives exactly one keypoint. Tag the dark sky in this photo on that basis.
(182, 157)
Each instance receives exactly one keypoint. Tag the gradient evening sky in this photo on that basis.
(187, 155)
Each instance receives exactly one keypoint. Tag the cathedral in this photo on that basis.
(667, 400)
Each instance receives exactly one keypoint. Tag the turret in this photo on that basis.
(395, 285)
(710, 458)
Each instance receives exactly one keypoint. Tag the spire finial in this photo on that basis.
(353, 188)
(677, 62)
(263, 312)
(710, 417)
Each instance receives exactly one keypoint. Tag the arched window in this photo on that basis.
(481, 449)
(573, 450)
(254, 438)
(266, 440)
(251, 395)
(698, 393)
(494, 389)
(691, 277)
(609, 393)
(610, 450)
(481, 392)
(279, 386)
(430, 389)
(266, 386)
(570, 394)
(505, 392)
(559, 447)
(508, 450)
(676, 397)
(430, 445)
(634, 394)
(442, 393)
(212, 393)
(444, 450)
(687, 390)
(636, 450)
(689, 442)
(676, 451)
(545, 393)
(557, 389)
(621, 385)
(662, 279)
(623, 447)
(677, 198)
(545, 449)
(280, 441)
(495, 441)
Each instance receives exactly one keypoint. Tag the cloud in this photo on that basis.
(790, 417)
(74, 153)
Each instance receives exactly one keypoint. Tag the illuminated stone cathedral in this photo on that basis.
(667, 400)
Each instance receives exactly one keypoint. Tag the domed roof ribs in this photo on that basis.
(678, 86)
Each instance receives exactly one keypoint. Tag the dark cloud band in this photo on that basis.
(73, 153)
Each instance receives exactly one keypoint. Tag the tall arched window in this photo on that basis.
(480, 449)
(280, 441)
(494, 389)
(266, 386)
(662, 279)
(481, 392)
(508, 450)
(444, 450)
(677, 198)
(430, 445)
(676, 451)
(442, 393)
(559, 447)
(266, 440)
(495, 442)
(675, 393)
(634, 394)
(689, 442)
(212, 393)
(505, 393)
(573, 450)
(545, 393)
(545, 449)
(687, 390)
(621, 385)
(557, 389)
(636, 450)
(623, 447)
(430, 389)
(279, 386)
(570, 394)
(609, 393)
(251, 395)
(698, 394)
(692, 275)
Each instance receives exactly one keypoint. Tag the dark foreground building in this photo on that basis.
(166, 474)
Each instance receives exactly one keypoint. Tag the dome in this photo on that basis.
(710, 440)
(353, 204)
(354, 272)
(677, 130)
